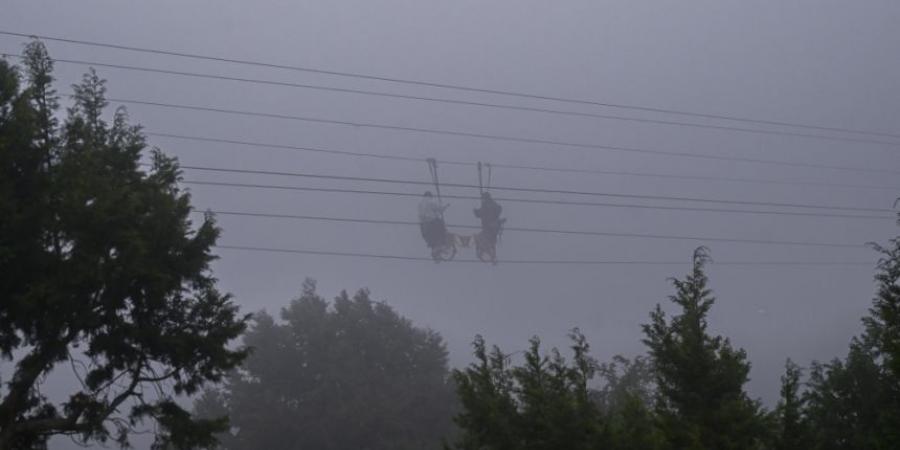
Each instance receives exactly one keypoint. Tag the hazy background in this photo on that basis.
(831, 63)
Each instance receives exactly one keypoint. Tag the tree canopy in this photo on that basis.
(790, 426)
(349, 374)
(854, 403)
(102, 273)
(700, 378)
(543, 404)
(688, 393)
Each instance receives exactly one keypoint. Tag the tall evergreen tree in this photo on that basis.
(846, 403)
(855, 403)
(489, 417)
(700, 401)
(544, 404)
(101, 273)
(882, 325)
(555, 405)
(791, 428)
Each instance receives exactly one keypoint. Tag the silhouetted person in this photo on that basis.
(431, 220)
(489, 213)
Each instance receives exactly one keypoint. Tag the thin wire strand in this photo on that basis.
(537, 201)
(534, 230)
(461, 102)
(518, 167)
(540, 261)
(452, 86)
(535, 190)
(493, 137)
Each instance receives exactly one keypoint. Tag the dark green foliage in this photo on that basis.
(101, 270)
(488, 419)
(882, 326)
(351, 375)
(689, 395)
(554, 401)
(846, 403)
(855, 403)
(790, 421)
(543, 404)
(696, 382)
(700, 399)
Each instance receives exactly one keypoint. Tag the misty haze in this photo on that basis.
(458, 225)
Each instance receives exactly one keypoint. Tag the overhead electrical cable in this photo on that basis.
(535, 190)
(462, 102)
(538, 201)
(540, 261)
(535, 230)
(520, 167)
(493, 137)
(457, 87)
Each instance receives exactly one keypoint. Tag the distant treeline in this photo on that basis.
(355, 374)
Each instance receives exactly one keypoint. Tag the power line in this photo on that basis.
(522, 167)
(535, 230)
(461, 102)
(539, 261)
(536, 201)
(493, 137)
(305, 148)
(534, 190)
(451, 86)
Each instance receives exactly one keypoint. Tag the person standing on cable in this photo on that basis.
(489, 213)
(431, 220)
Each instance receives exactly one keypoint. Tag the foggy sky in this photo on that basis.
(823, 62)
